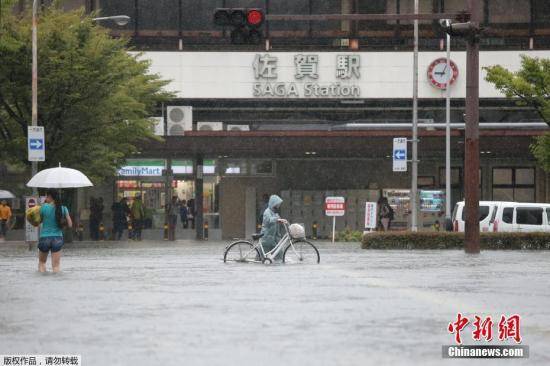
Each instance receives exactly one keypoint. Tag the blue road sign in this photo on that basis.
(400, 155)
(36, 144)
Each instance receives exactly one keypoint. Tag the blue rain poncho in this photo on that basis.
(270, 226)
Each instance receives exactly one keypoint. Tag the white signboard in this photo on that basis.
(370, 215)
(36, 143)
(399, 154)
(31, 232)
(335, 206)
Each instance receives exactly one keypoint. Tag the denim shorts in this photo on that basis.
(53, 243)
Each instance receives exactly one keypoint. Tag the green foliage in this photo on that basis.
(451, 240)
(531, 87)
(94, 98)
(348, 235)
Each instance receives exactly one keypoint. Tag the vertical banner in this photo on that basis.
(370, 216)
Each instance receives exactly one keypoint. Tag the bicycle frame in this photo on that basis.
(280, 245)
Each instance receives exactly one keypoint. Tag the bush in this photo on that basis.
(451, 240)
(349, 235)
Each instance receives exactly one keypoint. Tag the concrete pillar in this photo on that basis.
(199, 197)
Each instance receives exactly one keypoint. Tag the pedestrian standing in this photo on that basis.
(173, 209)
(96, 216)
(184, 211)
(385, 213)
(5, 216)
(121, 211)
(138, 215)
(191, 212)
(55, 217)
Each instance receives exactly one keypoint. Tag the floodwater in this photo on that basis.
(179, 304)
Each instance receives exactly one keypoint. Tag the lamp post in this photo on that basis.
(121, 20)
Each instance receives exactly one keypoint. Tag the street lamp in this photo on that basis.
(120, 20)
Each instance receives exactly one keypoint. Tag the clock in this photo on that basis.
(439, 74)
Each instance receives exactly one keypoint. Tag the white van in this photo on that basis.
(499, 216)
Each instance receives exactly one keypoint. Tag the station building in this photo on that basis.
(313, 109)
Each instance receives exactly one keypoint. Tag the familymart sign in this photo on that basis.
(154, 167)
(142, 168)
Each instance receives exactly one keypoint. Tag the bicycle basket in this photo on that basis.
(297, 231)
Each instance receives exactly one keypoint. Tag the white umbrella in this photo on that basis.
(6, 195)
(59, 178)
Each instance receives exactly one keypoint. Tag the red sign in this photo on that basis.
(335, 206)
(508, 327)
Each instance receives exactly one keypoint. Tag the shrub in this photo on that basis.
(349, 235)
(451, 240)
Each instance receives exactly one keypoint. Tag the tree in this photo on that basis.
(531, 87)
(94, 97)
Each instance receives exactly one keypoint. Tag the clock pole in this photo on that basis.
(448, 136)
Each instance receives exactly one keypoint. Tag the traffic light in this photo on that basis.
(246, 23)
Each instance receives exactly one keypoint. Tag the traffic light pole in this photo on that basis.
(471, 145)
(414, 180)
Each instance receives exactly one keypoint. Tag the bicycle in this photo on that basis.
(295, 250)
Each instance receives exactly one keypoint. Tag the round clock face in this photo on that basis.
(440, 74)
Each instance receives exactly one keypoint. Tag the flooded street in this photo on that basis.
(179, 304)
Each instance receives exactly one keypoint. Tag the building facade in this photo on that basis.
(313, 109)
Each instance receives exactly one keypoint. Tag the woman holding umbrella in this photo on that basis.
(55, 217)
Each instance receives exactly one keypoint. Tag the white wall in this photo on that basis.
(383, 74)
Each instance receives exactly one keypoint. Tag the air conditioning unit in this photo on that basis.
(158, 125)
(209, 126)
(180, 119)
(238, 128)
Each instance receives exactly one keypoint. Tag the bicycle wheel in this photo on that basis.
(241, 251)
(301, 251)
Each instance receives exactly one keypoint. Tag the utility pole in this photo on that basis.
(414, 183)
(448, 135)
(471, 145)
(34, 164)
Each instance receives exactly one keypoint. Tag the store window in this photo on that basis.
(514, 184)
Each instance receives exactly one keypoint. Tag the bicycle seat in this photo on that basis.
(257, 236)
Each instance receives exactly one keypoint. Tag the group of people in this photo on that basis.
(123, 214)
(186, 211)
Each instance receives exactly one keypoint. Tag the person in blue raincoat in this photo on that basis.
(270, 223)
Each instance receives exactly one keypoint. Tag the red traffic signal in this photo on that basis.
(254, 17)
(245, 22)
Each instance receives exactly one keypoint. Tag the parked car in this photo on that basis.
(500, 216)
